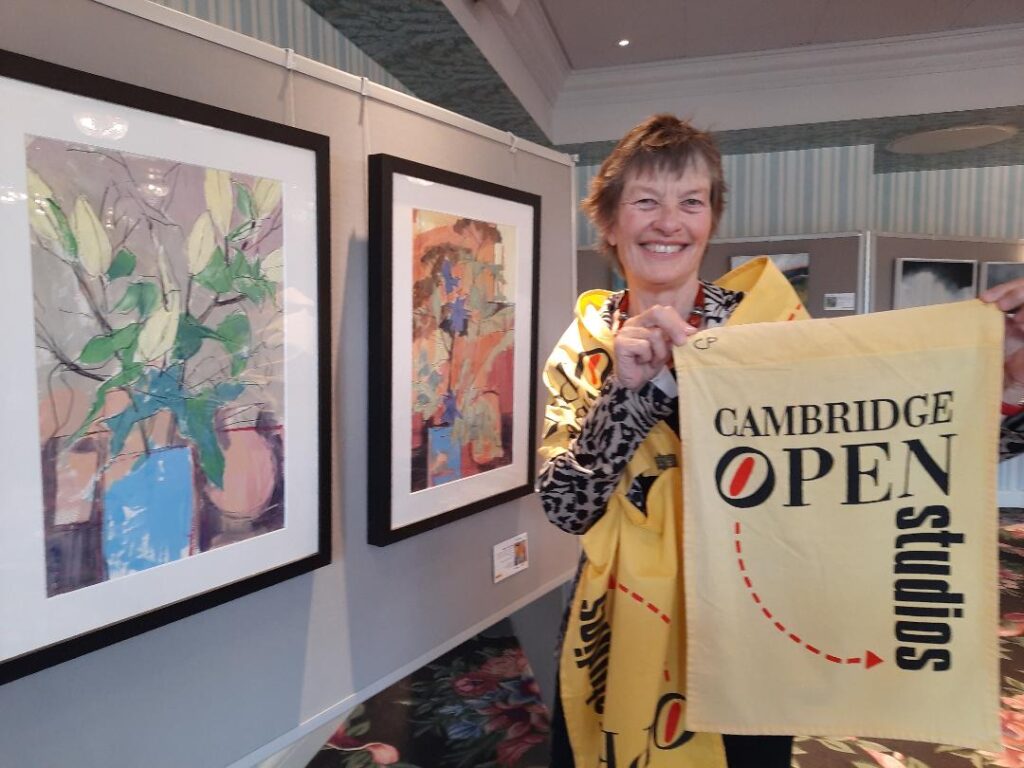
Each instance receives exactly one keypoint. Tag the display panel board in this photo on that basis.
(831, 280)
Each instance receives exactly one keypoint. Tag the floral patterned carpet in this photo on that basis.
(479, 706)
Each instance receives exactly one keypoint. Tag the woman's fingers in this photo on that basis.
(643, 345)
(1007, 296)
(639, 354)
(667, 320)
(652, 340)
(637, 347)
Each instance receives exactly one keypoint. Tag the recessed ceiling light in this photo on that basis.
(951, 139)
(623, 43)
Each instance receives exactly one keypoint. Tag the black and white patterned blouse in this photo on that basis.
(575, 486)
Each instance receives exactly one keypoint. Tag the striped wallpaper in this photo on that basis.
(802, 191)
(970, 202)
(835, 189)
(289, 24)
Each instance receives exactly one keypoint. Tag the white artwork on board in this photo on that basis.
(920, 282)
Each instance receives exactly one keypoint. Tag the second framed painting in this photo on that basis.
(453, 327)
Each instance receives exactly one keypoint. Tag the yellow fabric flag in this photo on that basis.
(840, 513)
(622, 671)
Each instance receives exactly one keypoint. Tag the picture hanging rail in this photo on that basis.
(453, 336)
(167, 359)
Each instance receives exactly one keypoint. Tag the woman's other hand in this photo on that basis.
(643, 345)
(1009, 297)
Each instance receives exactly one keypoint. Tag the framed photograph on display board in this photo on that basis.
(166, 405)
(996, 272)
(920, 282)
(795, 266)
(453, 328)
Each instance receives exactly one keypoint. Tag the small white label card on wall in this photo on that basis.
(838, 302)
(840, 526)
(510, 557)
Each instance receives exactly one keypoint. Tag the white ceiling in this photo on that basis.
(662, 30)
(745, 64)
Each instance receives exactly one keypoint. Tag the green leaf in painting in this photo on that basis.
(239, 264)
(67, 238)
(242, 231)
(99, 349)
(122, 265)
(199, 413)
(161, 390)
(234, 333)
(215, 276)
(142, 296)
(127, 376)
(190, 337)
(198, 426)
(244, 201)
(253, 289)
(149, 296)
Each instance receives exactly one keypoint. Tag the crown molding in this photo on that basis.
(535, 79)
(530, 30)
(794, 67)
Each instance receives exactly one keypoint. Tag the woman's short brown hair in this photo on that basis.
(659, 143)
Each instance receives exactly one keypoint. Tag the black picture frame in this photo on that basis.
(62, 626)
(406, 197)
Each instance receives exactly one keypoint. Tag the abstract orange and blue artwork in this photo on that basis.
(453, 281)
(463, 347)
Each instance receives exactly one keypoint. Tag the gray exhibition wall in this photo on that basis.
(887, 249)
(215, 687)
(836, 264)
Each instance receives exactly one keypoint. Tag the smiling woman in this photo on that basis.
(612, 454)
(656, 202)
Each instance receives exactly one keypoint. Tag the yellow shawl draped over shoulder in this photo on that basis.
(622, 669)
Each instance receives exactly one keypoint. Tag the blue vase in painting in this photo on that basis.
(148, 513)
(444, 456)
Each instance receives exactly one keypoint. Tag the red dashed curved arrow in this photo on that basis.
(869, 660)
(613, 583)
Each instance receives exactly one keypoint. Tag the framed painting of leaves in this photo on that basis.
(166, 351)
(453, 324)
